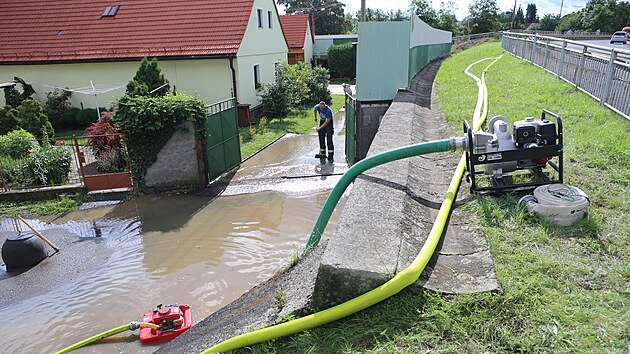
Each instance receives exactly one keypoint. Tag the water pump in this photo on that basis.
(531, 155)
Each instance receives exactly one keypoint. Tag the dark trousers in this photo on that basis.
(326, 137)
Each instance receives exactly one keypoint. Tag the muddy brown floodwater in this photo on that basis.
(202, 251)
(178, 249)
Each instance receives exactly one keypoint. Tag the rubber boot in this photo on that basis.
(331, 157)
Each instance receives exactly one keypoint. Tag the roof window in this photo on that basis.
(110, 11)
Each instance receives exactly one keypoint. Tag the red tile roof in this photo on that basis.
(294, 27)
(73, 30)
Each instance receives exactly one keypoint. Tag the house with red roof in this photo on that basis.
(214, 49)
(300, 35)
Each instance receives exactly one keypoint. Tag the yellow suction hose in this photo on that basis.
(403, 279)
(127, 327)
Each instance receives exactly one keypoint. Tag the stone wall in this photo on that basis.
(176, 164)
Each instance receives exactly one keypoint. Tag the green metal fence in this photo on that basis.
(351, 104)
(223, 148)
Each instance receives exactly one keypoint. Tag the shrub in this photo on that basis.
(70, 117)
(8, 119)
(99, 132)
(112, 160)
(12, 171)
(32, 119)
(318, 86)
(13, 97)
(295, 85)
(57, 101)
(47, 166)
(340, 60)
(17, 144)
(276, 100)
(87, 116)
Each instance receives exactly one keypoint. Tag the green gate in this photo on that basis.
(350, 129)
(223, 149)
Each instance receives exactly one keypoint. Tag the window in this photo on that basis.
(269, 14)
(260, 18)
(257, 83)
(276, 66)
(110, 11)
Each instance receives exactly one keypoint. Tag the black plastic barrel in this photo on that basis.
(22, 250)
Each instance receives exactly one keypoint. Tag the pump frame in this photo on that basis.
(499, 185)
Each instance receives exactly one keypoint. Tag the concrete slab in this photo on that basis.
(392, 208)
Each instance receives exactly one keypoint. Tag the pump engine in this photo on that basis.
(529, 156)
(172, 320)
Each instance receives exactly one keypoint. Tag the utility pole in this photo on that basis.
(512, 24)
(362, 10)
(561, 4)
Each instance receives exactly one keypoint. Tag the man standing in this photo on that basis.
(325, 129)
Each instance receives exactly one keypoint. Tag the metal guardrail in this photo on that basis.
(601, 72)
(469, 37)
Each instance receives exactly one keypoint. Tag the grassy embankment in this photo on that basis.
(298, 121)
(565, 289)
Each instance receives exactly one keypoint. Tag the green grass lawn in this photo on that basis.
(565, 289)
(66, 136)
(299, 121)
(59, 205)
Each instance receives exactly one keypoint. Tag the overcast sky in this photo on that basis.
(543, 7)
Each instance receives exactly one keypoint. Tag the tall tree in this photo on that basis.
(549, 22)
(397, 15)
(604, 15)
(519, 19)
(483, 16)
(446, 17)
(327, 15)
(571, 22)
(425, 12)
(530, 16)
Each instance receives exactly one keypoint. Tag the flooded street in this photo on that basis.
(204, 251)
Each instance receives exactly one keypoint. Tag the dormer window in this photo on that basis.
(110, 11)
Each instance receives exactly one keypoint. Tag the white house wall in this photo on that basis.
(260, 46)
(308, 45)
(208, 79)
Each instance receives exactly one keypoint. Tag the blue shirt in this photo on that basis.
(326, 114)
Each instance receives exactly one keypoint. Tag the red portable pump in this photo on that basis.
(172, 320)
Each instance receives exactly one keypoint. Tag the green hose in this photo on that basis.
(95, 338)
(360, 167)
(401, 280)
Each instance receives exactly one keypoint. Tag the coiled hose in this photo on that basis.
(559, 203)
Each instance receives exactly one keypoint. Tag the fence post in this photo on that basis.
(546, 54)
(578, 79)
(532, 54)
(80, 158)
(561, 61)
(608, 79)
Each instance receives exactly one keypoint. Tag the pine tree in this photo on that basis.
(149, 80)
